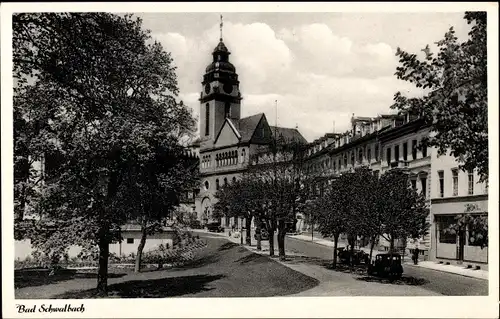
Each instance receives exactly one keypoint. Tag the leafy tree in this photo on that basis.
(457, 106)
(236, 200)
(152, 188)
(94, 89)
(476, 224)
(281, 169)
(403, 210)
(330, 213)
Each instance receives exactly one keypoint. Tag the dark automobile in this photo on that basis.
(386, 265)
(215, 227)
(196, 224)
(358, 256)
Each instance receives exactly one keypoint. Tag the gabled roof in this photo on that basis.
(288, 133)
(247, 126)
(233, 128)
(245, 129)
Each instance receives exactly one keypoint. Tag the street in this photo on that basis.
(432, 280)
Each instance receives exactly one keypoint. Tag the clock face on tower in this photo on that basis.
(207, 88)
(228, 88)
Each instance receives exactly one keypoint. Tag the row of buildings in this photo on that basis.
(385, 142)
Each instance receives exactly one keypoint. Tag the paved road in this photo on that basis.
(431, 280)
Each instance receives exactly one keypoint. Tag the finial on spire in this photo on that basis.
(221, 24)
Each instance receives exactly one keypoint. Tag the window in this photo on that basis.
(207, 185)
(217, 186)
(360, 156)
(345, 159)
(234, 179)
(227, 110)
(352, 158)
(423, 181)
(377, 155)
(396, 153)
(414, 183)
(424, 150)
(441, 183)
(243, 156)
(207, 119)
(473, 240)
(130, 240)
(454, 173)
(471, 183)
(414, 149)
(388, 156)
(369, 154)
(405, 151)
(334, 165)
(225, 181)
(443, 223)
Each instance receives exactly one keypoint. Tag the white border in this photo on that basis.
(356, 307)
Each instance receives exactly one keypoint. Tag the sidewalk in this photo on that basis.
(480, 274)
(333, 283)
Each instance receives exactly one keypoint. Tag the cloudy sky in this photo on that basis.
(321, 67)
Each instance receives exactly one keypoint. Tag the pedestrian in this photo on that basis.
(416, 251)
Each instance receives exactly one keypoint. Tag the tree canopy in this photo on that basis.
(96, 90)
(457, 105)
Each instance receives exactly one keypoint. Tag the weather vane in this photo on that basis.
(221, 24)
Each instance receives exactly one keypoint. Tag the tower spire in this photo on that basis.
(221, 24)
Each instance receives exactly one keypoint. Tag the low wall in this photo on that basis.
(23, 249)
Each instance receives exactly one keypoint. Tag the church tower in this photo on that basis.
(220, 97)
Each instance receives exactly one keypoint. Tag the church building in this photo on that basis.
(227, 141)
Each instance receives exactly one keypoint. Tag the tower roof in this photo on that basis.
(221, 48)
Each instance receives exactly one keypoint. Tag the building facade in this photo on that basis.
(381, 143)
(227, 141)
(451, 190)
(394, 141)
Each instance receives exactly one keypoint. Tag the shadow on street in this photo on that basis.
(39, 277)
(153, 288)
(409, 281)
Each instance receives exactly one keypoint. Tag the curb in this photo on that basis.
(447, 271)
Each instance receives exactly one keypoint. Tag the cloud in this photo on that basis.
(317, 77)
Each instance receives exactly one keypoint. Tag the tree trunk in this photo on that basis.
(391, 245)
(352, 253)
(102, 275)
(258, 234)
(271, 242)
(248, 232)
(335, 252)
(351, 239)
(281, 239)
(372, 245)
(140, 248)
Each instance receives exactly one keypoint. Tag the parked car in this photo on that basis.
(196, 224)
(359, 256)
(386, 265)
(215, 227)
